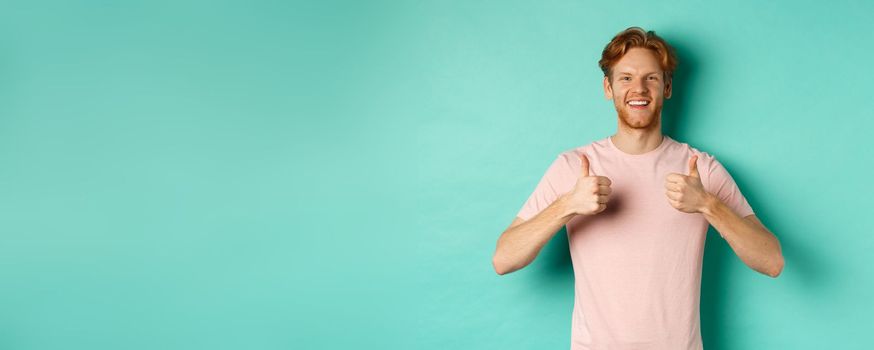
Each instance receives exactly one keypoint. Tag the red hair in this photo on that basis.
(637, 37)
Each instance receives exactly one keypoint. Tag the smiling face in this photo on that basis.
(638, 89)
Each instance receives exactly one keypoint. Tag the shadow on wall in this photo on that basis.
(554, 263)
(716, 291)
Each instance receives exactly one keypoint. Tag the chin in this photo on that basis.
(638, 122)
(638, 119)
(641, 125)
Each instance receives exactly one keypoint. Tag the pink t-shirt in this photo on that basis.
(637, 264)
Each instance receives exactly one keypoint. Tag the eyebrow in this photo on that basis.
(629, 73)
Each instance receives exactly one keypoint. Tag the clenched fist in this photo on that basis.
(590, 194)
(685, 192)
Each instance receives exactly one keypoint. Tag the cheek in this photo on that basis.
(619, 94)
(618, 102)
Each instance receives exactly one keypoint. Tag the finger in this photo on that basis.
(604, 181)
(673, 186)
(673, 195)
(603, 199)
(693, 166)
(675, 178)
(605, 190)
(584, 165)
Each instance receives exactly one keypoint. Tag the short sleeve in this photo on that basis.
(723, 186)
(553, 184)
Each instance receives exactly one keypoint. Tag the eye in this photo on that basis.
(653, 77)
(625, 78)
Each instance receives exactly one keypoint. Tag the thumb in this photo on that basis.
(585, 165)
(693, 166)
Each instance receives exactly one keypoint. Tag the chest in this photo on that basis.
(638, 207)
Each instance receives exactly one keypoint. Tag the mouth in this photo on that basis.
(638, 104)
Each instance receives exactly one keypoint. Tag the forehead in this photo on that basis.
(638, 60)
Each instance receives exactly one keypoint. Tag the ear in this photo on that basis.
(668, 86)
(608, 89)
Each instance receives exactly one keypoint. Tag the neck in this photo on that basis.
(637, 141)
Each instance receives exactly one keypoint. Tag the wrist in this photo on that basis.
(564, 209)
(710, 203)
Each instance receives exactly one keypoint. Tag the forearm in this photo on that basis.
(754, 244)
(519, 245)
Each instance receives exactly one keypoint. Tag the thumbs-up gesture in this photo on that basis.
(685, 192)
(590, 194)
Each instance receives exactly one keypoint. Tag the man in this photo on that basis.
(637, 206)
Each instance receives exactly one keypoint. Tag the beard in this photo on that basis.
(638, 120)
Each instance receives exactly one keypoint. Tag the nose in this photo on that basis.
(640, 86)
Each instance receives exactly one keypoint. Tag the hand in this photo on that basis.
(686, 193)
(590, 194)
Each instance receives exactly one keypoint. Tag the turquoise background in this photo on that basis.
(325, 175)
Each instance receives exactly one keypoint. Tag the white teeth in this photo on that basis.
(638, 103)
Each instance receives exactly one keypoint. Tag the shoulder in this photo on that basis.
(713, 174)
(568, 160)
(687, 150)
(591, 149)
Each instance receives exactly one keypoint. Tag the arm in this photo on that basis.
(756, 246)
(520, 243)
(753, 243)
